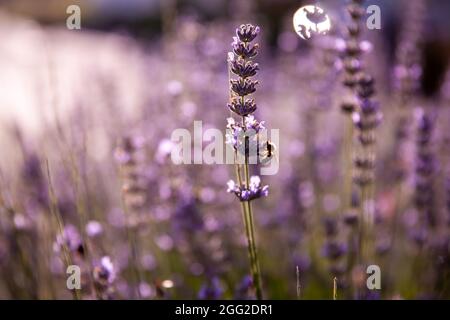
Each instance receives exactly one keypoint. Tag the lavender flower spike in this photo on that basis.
(247, 188)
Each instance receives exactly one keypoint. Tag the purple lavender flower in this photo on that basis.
(244, 69)
(32, 173)
(104, 273)
(243, 87)
(331, 227)
(247, 32)
(212, 290)
(234, 133)
(244, 50)
(447, 199)
(366, 120)
(242, 108)
(334, 250)
(94, 228)
(126, 150)
(366, 88)
(243, 135)
(70, 238)
(187, 217)
(425, 168)
(252, 124)
(408, 71)
(243, 290)
(351, 49)
(253, 192)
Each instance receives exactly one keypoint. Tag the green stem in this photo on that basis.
(347, 199)
(60, 224)
(254, 268)
(348, 165)
(255, 262)
(133, 242)
(351, 260)
(250, 229)
(335, 296)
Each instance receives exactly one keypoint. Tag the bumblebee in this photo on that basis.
(267, 152)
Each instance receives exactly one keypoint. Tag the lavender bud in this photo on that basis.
(334, 250)
(425, 168)
(330, 225)
(243, 291)
(212, 290)
(247, 32)
(243, 87)
(242, 109)
(244, 69)
(243, 50)
(104, 273)
(351, 218)
(365, 86)
(94, 228)
(71, 239)
(348, 107)
(253, 192)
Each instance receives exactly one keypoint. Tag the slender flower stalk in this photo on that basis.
(352, 50)
(66, 254)
(425, 235)
(407, 74)
(333, 249)
(366, 121)
(445, 94)
(243, 135)
(335, 288)
(442, 283)
(425, 170)
(322, 77)
(133, 198)
(299, 288)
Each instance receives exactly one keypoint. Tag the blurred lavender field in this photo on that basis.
(86, 176)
